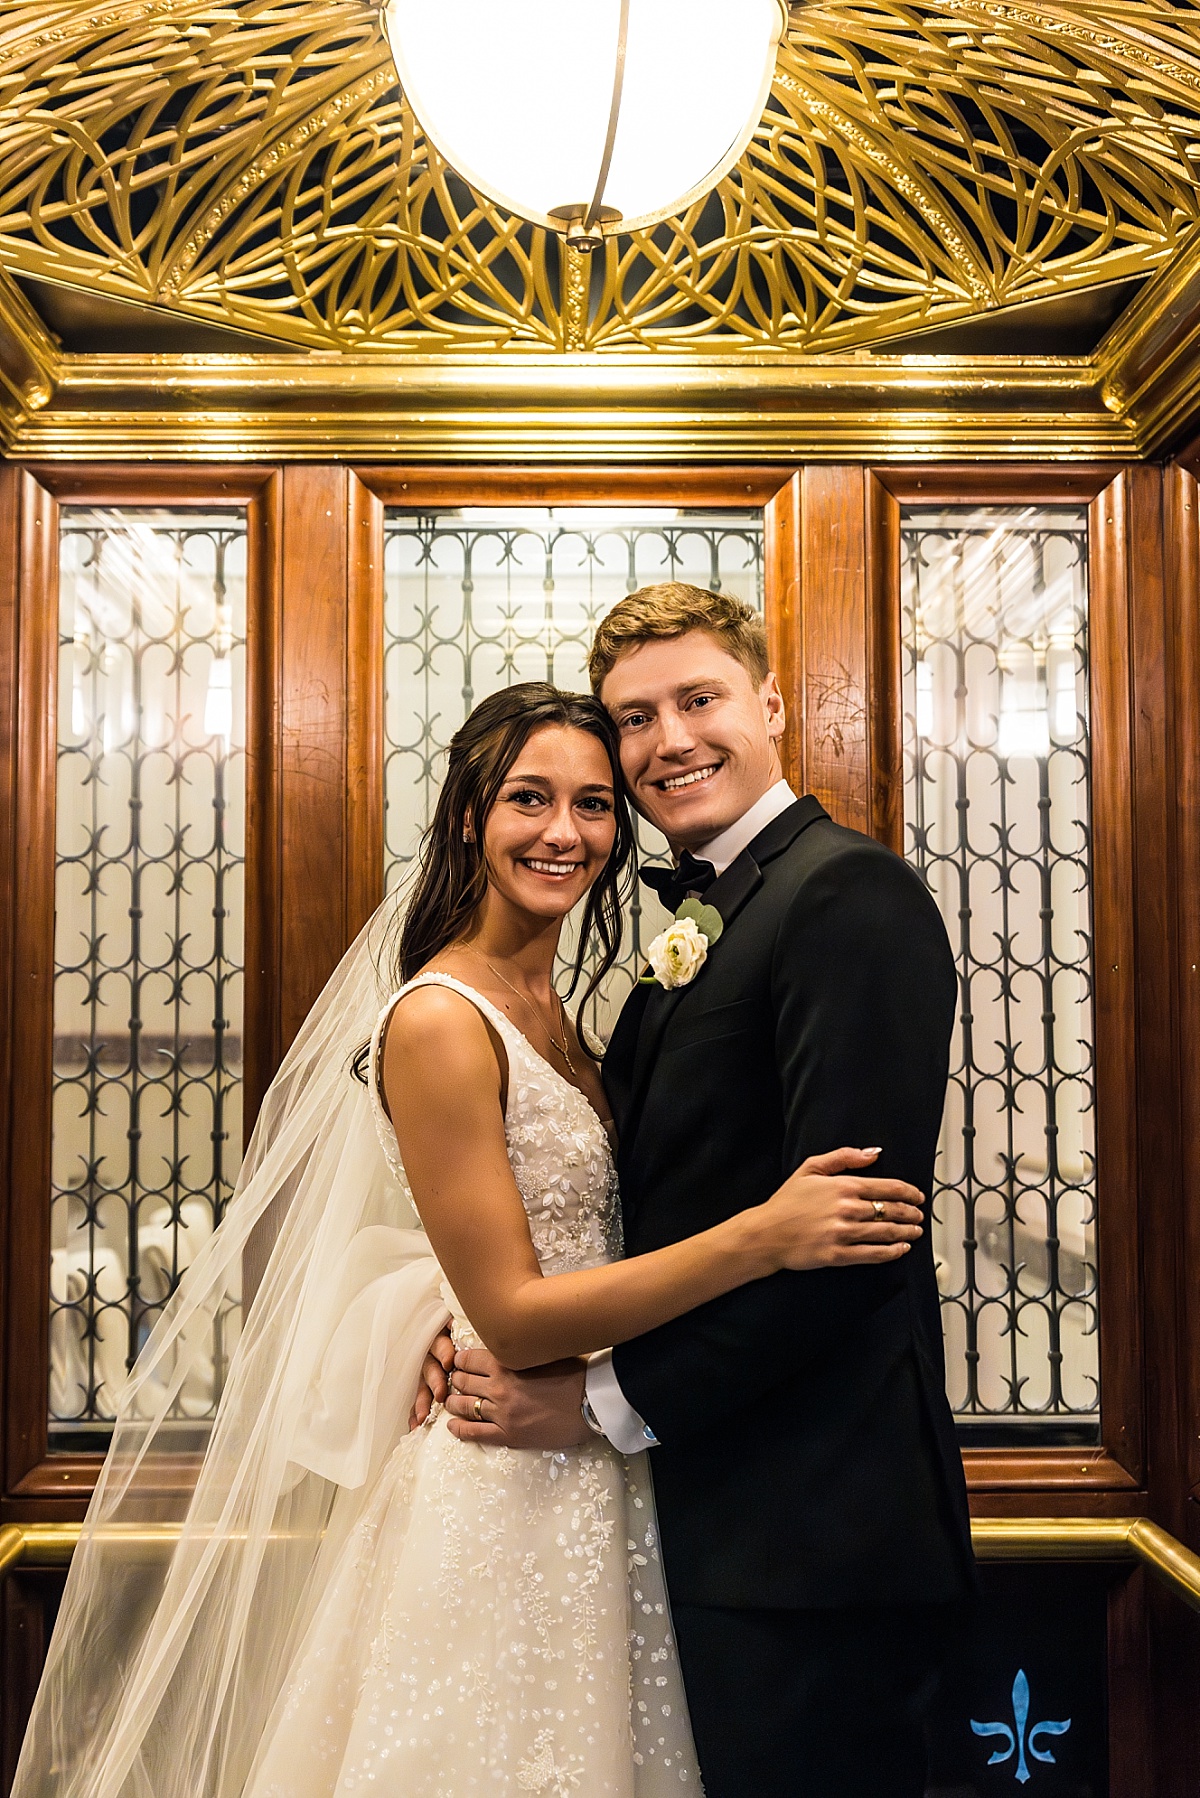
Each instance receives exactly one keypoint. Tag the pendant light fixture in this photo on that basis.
(587, 116)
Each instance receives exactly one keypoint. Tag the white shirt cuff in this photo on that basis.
(627, 1432)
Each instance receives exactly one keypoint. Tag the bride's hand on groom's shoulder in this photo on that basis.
(830, 1214)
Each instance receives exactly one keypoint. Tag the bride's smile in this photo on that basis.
(551, 831)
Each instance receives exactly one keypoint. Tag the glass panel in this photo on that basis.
(476, 600)
(997, 814)
(147, 1127)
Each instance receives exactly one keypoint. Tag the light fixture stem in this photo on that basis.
(614, 113)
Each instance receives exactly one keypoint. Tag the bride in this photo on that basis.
(317, 1600)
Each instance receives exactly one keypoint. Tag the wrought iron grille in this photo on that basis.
(148, 935)
(475, 601)
(998, 822)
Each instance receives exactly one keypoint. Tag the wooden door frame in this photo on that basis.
(374, 489)
(1181, 508)
(834, 572)
(38, 1484)
(1059, 1480)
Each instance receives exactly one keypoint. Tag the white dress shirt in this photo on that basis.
(612, 1410)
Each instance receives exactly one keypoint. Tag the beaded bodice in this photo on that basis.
(558, 1148)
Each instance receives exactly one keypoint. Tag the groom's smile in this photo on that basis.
(673, 782)
(698, 734)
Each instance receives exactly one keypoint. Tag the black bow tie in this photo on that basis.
(673, 885)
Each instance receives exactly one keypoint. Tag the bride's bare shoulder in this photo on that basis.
(433, 1016)
(436, 1037)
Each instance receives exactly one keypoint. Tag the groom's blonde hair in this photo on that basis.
(670, 609)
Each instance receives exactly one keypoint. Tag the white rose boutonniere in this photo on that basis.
(677, 955)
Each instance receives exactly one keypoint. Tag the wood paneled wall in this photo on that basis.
(315, 840)
(315, 873)
(831, 550)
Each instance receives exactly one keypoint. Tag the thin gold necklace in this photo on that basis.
(532, 1008)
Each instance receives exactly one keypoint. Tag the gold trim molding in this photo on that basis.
(578, 408)
(1091, 1539)
(1131, 400)
(30, 361)
(995, 1539)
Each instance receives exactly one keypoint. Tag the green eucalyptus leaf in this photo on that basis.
(710, 922)
(706, 918)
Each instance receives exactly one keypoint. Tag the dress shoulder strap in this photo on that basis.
(491, 1012)
(509, 1033)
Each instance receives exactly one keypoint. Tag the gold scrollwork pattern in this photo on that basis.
(254, 165)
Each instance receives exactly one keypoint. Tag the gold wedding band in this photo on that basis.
(877, 1208)
(478, 1410)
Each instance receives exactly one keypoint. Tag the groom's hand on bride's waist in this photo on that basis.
(537, 1408)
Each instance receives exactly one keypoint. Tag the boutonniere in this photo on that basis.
(678, 954)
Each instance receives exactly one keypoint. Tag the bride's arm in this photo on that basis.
(442, 1083)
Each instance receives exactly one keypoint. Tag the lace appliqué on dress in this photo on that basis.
(497, 1622)
(561, 1157)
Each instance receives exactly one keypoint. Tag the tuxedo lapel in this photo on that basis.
(617, 1067)
(728, 894)
(782, 831)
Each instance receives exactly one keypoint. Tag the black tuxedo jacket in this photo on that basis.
(807, 1455)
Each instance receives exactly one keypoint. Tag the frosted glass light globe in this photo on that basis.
(518, 97)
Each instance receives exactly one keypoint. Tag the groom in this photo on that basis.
(810, 1493)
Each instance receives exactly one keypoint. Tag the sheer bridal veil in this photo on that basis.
(196, 1571)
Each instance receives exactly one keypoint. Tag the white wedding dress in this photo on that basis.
(493, 1621)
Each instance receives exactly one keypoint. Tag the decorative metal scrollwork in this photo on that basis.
(998, 823)
(473, 603)
(148, 999)
(255, 166)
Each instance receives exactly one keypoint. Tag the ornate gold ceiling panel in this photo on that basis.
(254, 166)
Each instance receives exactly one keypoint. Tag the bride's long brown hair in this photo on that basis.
(452, 873)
